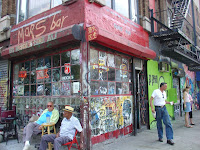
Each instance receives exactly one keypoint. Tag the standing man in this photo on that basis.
(35, 127)
(159, 96)
(68, 127)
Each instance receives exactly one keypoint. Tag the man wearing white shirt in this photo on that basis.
(159, 96)
(68, 127)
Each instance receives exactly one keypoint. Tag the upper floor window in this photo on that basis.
(127, 8)
(197, 16)
(29, 8)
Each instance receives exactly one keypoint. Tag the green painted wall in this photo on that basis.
(155, 77)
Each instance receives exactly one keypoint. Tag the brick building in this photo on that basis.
(103, 57)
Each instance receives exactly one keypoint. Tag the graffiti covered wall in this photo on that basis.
(110, 117)
(3, 85)
(188, 80)
(155, 77)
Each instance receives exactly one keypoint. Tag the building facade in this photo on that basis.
(7, 19)
(101, 58)
(84, 54)
(174, 36)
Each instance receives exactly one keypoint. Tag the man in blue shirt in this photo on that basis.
(35, 127)
(68, 127)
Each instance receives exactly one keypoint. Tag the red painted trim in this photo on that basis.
(113, 134)
(49, 40)
(118, 42)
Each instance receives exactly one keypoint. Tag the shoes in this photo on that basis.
(188, 126)
(192, 124)
(170, 142)
(26, 147)
(160, 140)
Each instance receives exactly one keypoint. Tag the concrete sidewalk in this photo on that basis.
(184, 138)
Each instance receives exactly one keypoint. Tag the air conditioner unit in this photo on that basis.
(68, 2)
(138, 64)
(101, 2)
(5, 28)
(5, 23)
(163, 67)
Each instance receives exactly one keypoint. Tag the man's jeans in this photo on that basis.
(162, 114)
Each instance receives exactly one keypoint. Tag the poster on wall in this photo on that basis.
(75, 87)
(20, 90)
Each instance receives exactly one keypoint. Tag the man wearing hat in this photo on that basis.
(68, 127)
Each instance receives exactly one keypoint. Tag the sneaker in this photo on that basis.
(160, 140)
(26, 147)
(170, 142)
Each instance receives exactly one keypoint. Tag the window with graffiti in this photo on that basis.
(110, 84)
(54, 78)
(110, 73)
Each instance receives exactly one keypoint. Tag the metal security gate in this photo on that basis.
(143, 97)
(141, 94)
(3, 83)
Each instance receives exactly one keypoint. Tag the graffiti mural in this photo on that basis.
(189, 80)
(110, 113)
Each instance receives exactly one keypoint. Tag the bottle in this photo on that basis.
(48, 118)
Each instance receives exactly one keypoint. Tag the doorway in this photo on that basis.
(142, 100)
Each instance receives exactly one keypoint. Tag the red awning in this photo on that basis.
(124, 45)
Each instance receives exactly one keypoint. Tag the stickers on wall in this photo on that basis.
(42, 74)
(20, 90)
(67, 68)
(76, 87)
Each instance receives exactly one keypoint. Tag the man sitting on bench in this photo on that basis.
(68, 127)
(35, 127)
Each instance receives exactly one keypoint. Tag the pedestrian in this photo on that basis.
(190, 113)
(187, 105)
(159, 96)
(35, 127)
(68, 127)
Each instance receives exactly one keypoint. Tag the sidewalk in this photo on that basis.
(184, 138)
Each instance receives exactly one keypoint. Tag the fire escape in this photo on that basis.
(175, 33)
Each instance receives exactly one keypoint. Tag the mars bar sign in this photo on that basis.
(37, 29)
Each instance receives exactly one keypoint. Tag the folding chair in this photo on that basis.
(74, 141)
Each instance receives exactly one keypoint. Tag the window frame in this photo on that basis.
(129, 7)
(27, 10)
(50, 80)
(123, 81)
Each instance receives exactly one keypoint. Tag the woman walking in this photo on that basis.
(187, 105)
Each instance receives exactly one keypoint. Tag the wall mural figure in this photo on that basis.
(110, 113)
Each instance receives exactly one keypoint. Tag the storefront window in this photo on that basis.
(110, 74)
(47, 78)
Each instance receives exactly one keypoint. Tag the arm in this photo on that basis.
(151, 104)
(40, 127)
(58, 134)
(55, 116)
(184, 95)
